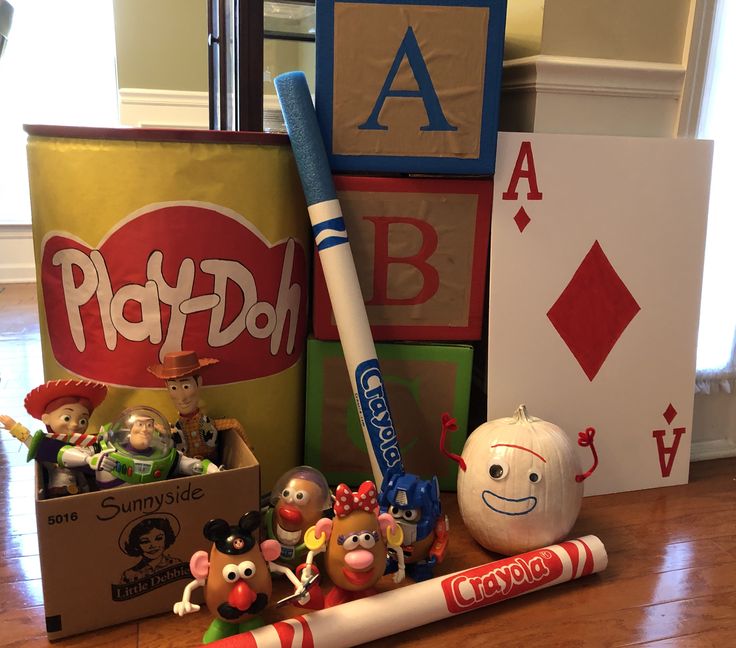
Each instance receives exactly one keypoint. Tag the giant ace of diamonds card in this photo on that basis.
(596, 265)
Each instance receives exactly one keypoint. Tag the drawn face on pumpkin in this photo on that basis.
(519, 490)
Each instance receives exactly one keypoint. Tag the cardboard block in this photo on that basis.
(420, 248)
(410, 86)
(118, 581)
(422, 382)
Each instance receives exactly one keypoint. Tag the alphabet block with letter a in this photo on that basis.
(420, 247)
(422, 382)
(410, 86)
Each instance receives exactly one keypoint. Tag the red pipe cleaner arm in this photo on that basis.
(449, 424)
(585, 439)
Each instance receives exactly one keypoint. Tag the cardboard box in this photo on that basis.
(92, 577)
(410, 86)
(421, 253)
(422, 382)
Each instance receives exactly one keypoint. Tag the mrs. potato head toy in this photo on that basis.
(355, 545)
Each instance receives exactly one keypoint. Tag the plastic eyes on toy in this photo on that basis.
(285, 493)
(301, 497)
(368, 540)
(412, 515)
(247, 569)
(66, 418)
(395, 511)
(349, 543)
(535, 477)
(499, 469)
(83, 422)
(230, 572)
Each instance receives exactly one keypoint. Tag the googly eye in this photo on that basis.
(535, 476)
(66, 418)
(351, 542)
(230, 573)
(395, 511)
(247, 569)
(411, 515)
(301, 497)
(285, 493)
(499, 469)
(83, 422)
(367, 540)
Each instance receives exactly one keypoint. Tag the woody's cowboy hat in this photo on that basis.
(180, 364)
(37, 399)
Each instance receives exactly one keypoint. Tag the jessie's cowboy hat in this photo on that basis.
(37, 399)
(180, 364)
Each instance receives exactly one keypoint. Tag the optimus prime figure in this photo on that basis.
(415, 505)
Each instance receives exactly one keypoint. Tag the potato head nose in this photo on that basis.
(290, 514)
(359, 559)
(241, 596)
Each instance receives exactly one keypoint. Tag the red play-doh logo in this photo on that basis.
(171, 277)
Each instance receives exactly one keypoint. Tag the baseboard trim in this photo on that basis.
(154, 108)
(717, 449)
(17, 264)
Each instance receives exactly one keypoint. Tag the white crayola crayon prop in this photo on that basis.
(431, 600)
(341, 278)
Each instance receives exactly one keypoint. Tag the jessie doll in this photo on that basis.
(64, 406)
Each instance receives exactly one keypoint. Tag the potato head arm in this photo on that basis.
(274, 567)
(394, 538)
(315, 539)
(185, 606)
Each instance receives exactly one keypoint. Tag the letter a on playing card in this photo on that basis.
(596, 266)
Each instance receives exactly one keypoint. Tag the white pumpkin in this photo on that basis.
(521, 488)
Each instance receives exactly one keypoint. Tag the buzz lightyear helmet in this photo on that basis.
(141, 432)
(306, 473)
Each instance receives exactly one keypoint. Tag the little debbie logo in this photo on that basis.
(169, 278)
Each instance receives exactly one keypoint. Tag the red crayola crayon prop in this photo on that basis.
(421, 603)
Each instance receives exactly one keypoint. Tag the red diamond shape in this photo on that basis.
(593, 311)
(522, 219)
(669, 414)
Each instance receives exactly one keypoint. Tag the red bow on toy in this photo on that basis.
(346, 501)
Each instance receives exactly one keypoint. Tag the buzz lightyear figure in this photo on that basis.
(136, 449)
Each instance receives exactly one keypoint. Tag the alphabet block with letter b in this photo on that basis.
(410, 86)
(420, 247)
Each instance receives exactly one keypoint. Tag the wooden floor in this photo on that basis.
(671, 579)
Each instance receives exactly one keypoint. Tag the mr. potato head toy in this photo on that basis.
(236, 576)
(298, 500)
(355, 545)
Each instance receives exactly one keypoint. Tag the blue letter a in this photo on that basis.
(409, 48)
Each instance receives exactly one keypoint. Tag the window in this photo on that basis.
(58, 68)
(715, 363)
